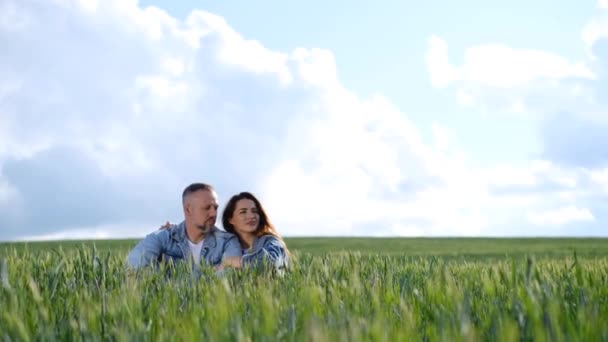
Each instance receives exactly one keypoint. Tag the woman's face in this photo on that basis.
(245, 217)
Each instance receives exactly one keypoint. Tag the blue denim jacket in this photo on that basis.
(269, 250)
(172, 245)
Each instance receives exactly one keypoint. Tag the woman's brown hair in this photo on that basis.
(265, 227)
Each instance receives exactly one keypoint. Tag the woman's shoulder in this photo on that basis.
(269, 240)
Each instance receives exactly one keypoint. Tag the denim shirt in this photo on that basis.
(172, 245)
(269, 250)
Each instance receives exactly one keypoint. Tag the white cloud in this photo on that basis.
(509, 175)
(526, 83)
(531, 175)
(602, 4)
(500, 66)
(561, 216)
(407, 230)
(11, 19)
(442, 136)
(173, 66)
(89, 5)
(250, 55)
(105, 231)
(600, 178)
(438, 64)
(7, 192)
(594, 30)
(465, 97)
(317, 67)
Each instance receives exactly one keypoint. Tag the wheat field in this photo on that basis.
(338, 290)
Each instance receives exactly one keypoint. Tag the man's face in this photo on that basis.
(201, 209)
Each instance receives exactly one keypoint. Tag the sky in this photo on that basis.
(394, 118)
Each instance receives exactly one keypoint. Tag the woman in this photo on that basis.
(245, 217)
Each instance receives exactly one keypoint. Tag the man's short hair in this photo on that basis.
(194, 187)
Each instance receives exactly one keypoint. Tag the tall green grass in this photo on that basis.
(83, 293)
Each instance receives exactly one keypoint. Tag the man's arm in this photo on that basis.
(146, 252)
(232, 247)
(232, 253)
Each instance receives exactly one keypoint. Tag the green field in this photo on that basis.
(340, 289)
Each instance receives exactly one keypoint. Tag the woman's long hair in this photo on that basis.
(264, 225)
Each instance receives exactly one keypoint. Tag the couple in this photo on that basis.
(249, 239)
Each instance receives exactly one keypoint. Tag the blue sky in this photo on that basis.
(346, 118)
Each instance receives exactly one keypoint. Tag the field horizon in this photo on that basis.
(464, 247)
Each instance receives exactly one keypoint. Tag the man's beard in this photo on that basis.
(204, 228)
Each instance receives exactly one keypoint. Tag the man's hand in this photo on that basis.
(234, 261)
(167, 225)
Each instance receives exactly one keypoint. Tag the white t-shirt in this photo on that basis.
(196, 250)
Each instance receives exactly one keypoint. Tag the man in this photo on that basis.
(195, 239)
